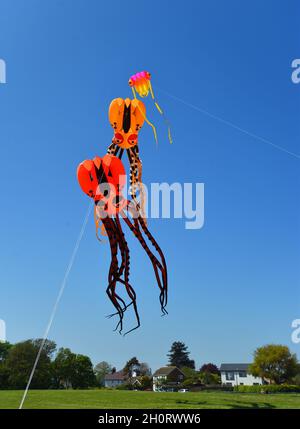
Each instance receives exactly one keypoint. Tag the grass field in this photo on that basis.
(103, 399)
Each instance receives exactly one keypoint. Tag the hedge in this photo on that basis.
(268, 388)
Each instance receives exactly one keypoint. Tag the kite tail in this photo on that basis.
(146, 119)
(117, 240)
(136, 183)
(157, 266)
(130, 291)
(114, 272)
(99, 225)
(161, 112)
(162, 256)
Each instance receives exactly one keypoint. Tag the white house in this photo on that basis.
(117, 378)
(236, 374)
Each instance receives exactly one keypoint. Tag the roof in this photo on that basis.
(165, 370)
(234, 366)
(118, 375)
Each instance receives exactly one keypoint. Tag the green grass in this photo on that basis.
(103, 399)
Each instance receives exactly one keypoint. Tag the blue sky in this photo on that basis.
(234, 285)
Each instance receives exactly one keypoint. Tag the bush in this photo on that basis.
(268, 388)
(123, 386)
(217, 387)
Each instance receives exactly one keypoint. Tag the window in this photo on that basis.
(242, 374)
(229, 375)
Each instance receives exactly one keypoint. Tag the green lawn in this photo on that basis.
(103, 399)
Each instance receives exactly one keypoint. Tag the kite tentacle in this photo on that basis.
(161, 265)
(161, 254)
(155, 263)
(130, 291)
(111, 150)
(140, 181)
(113, 272)
(124, 269)
(134, 174)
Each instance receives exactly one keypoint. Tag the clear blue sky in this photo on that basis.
(234, 285)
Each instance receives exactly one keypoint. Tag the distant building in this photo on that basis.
(167, 379)
(114, 379)
(236, 374)
(118, 377)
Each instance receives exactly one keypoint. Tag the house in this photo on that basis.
(236, 374)
(118, 377)
(114, 379)
(167, 379)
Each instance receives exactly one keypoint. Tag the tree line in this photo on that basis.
(63, 369)
(274, 363)
(60, 370)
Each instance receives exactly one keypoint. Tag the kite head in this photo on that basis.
(140, 82)
(126, 118)
(103, 179)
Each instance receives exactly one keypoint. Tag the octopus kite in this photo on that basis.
(141, 83)
(103, 179)
(127, 118)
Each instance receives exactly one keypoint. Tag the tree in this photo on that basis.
(63, 365)
(20, 361)
(101, 370)
(211, 368)
(191, 377)
(275, 363)
(4, 373)
(4, 376)
(179, 356)
(132, 365)
(4, 349)
(83, 375)
(296, 379)
(209, 378)
(146, 382)
(73, 370)
(145, 369)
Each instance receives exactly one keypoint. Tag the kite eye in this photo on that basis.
(130, 83)
(118, 138)
(132, 139)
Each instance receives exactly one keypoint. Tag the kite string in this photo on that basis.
(230, 124)
(58, 299)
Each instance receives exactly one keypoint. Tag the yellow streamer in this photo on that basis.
(97, 225)
(161, 112)
(146, 119)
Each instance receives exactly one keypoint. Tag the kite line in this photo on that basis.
(58, 299)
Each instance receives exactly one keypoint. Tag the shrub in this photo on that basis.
(268, 388)
(217, 387)
(124, 386)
